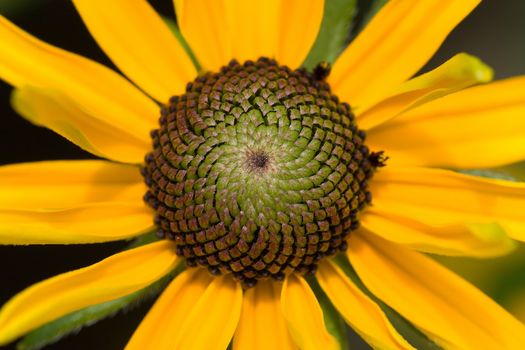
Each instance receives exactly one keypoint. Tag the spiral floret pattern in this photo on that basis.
(258, 170)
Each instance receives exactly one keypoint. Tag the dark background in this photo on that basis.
(495, 32)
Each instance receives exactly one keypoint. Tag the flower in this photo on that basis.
(426, 126)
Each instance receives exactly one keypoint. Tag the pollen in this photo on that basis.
(258, 171)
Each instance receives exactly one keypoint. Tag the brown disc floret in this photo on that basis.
(258, 170)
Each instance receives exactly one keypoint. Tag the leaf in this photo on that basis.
(334, 33)
(333, 321)
(413, 335)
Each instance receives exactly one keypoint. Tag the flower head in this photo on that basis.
(269, 186)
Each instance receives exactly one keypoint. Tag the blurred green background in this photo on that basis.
(495, 32)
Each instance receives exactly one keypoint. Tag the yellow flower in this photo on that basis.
(425, 125)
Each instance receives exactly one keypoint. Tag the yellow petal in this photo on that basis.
(55, 185)
(25, 60)
(262, 325)
(443, 197)
(448, 309)
(116, 276)
(398, 41)
(59, 113)
(170, 310)
(457, 73)
(194, 312)
(304, 316)
(71, 202)
(358, 310)
(219, 31)
(299, 25)
(89, 223)
(454, 239)
(479, 127)
(252, 28)
(204, 26)
(215, 316)
(139, 43)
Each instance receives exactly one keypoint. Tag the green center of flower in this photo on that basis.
(258, 171)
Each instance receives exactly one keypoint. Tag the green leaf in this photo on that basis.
(413, 335)
(334, 32)
(333, 321)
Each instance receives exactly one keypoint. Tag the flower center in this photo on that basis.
(258, 171)
(257, 161)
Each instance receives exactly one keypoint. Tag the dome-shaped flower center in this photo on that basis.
(258, 171)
